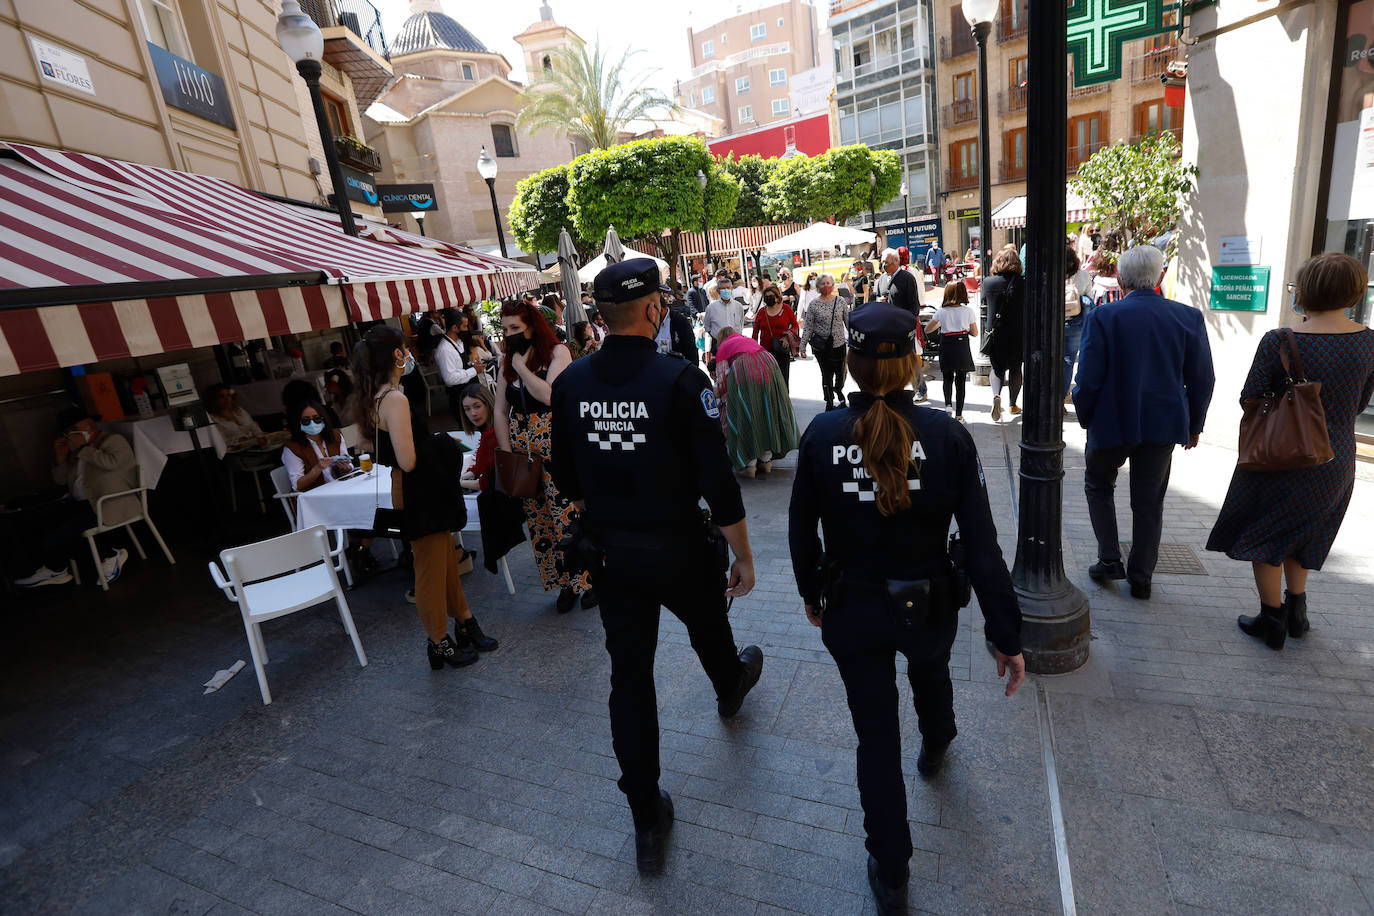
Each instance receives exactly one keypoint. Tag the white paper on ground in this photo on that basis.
(222, 676)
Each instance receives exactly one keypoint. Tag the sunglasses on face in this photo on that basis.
(310, 417)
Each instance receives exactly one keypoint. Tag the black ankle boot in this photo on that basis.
(1270, 625)
(471, 632)
(1297, 614)
(566, 599)
(447, 651)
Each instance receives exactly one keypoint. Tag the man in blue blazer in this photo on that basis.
(1145, 379)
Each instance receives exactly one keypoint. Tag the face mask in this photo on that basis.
(312, 427)
(410, 365)
(726, 294)
(770, 300)
(517, 343)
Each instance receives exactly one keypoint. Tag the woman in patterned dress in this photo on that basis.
(756, 412)
(533, 358)
(1284, 522)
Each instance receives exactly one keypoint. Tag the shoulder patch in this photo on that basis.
(710, 403)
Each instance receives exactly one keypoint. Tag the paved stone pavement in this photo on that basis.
(1195, 770)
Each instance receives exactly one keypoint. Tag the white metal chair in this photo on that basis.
(281, 483)
(475, 525)
(141, 491)
(277, 577)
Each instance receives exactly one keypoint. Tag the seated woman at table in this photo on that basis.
(240, 431)
(479, 406)
(317, 452)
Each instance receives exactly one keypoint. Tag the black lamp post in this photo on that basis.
(486, 167)
(1055, 622)
(303, 42)
(420, 221)
(980, 14)
(906, 215)
(873, 208)
(705, 228)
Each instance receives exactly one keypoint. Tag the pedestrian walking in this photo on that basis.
(1284, 522)
(956, 322)
(1143, 386)
(638, 443)
(775, 328)
(935, 261)
(755, 410)
(882, 481)
(1004, 295)
(1078, 285)
(897, 285)
(533, 360)
(823, 329)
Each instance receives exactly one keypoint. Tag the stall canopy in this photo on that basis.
(728, 241)
(102, 259)
(596, 265)
(820, 237)
(1011, 214)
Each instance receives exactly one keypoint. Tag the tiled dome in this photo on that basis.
(430, 30)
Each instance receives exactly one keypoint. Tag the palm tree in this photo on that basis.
(586, 96)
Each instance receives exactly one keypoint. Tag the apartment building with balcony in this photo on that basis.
(742, 66)
(885, 97)
(1125, 109)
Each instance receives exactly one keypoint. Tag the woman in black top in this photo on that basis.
(429, 496)
(1003, 342)
(533, 359)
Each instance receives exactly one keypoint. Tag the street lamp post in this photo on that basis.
(303, 42)
(906, 215)
(705, 228)
(980, 14)
(420, 221)
(1055, 623)
(486, 167)
(873, 207)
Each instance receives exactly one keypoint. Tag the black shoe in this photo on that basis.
(1107, 570)
(829, 407)
(447, 651)
(1270, 625)
(471, 632)
(1140, 590)
(361, 560)
(932, 757)
(589, 599)
(840, 402)
(1297, 614)
(650, 844)
(889, 899)
(752, 659)
(566, 599)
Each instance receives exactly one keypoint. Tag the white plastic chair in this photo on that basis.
(281, 483)
(277, 577)
(141, 491)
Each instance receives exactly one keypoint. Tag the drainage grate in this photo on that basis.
(1177, 559)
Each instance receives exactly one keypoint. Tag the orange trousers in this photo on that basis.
(438, 587)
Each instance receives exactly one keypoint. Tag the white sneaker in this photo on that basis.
(949, 411)
(45, 576)
(113, 566)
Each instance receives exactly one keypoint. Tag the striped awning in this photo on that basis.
(745, 238)
(102, 259)
(1011, 213)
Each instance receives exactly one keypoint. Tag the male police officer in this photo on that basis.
(637, 442)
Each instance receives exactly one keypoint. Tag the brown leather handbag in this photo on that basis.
(518, 474)
(1285, 431)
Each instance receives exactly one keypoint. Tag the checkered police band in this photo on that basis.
(608, 441)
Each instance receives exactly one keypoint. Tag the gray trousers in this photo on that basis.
(1150, 465)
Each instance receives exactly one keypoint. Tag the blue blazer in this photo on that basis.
(1144, 372)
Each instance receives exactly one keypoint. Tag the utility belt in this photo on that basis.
(911, 602)
(585, 548)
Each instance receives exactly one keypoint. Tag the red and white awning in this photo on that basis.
(1011, 213)
(101, 258)
(745, 238)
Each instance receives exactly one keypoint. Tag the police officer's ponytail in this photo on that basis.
(881, 432)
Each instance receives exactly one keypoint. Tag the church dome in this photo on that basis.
(428, 28)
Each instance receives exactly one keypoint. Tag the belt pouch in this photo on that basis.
(909, 602)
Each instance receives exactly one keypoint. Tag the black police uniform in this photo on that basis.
(637, 438)
(863, 551)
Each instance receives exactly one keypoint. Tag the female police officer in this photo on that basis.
(882, 479)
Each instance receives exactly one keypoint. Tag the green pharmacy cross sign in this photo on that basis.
(1098, 28)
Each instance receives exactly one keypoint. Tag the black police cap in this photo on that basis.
(627, 280)
(882, 331)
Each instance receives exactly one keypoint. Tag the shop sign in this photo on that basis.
(1097, 30)
(359, 186)
(61, 67)
(1239, 249)
(1240, 289)
(190, 88)
(966, 213)
(406, 198)
(917, 234)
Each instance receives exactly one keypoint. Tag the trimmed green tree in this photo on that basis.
(834, 185)
(1136, 189)
(752, 172)
(540, 210)
(648, 190)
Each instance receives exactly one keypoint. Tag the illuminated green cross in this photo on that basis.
(1098, 28)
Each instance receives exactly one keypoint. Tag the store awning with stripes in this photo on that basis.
(745, 238)
(101, 259)
(1011, 213)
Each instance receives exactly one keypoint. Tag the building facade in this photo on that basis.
(1124, 109)
(743, 66)
(885, 97)
(451, 97)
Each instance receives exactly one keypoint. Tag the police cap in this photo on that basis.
(625, 281)
(882, 331)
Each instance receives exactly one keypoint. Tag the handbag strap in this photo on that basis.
(1291, 340)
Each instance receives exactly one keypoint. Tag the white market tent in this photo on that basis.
(820, 237)
(593, 267)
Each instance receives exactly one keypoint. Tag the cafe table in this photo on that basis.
(155, 438)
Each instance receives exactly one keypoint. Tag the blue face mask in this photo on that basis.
(410, 365)
(312, 427)
(726, 293)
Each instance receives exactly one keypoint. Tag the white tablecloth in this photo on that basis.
(154, 439)
(353, 503)
(263, 398)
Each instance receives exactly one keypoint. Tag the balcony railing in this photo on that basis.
(956, 45)
(1078, 92)
(961, 111)
(358, 16)
(1081, 153)
(358, 155)
(1176, 131)
(1011, 170)
(957, 179)
(1007, 30)
(1151, 65)
(1011, 100)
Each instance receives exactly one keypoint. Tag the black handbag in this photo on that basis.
(824, 344)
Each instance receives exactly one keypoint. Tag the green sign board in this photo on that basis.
(965, 213)
(1240, 289)
(1097, 30)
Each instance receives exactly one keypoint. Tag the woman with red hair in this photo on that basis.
(532, 359)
